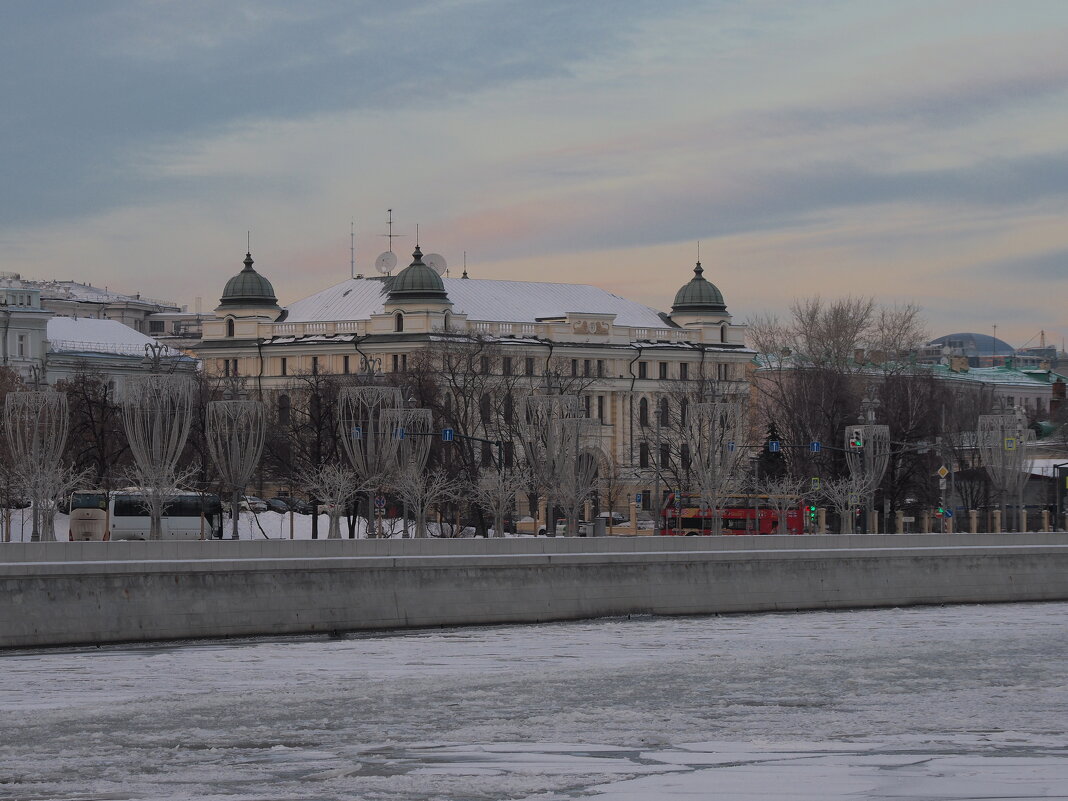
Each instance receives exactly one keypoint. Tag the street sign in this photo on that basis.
(941, 483)
(815, 483)
(398, 433)
(730, 446)
(448, 434)
(947, 513)
(943, 471)
(357, 432)
(1010, 443)
(908, 519)
(380, 502)
(815, 446)
(773, 446)
(638, 498)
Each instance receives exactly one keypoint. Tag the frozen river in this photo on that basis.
(967, 702)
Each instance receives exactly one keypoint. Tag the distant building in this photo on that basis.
(23, 334)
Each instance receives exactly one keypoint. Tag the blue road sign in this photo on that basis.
(638, 498)
(947, 513)
(448, 434)
(398, 433)
(730, 446)
(773, 446)
(357, 432)
(815, 446)
(380, 502)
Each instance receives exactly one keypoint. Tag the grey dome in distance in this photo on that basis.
(699, 295)
(248, 289)
(417, 281)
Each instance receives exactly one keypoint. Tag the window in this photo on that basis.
(283, 410)
(509, 408)
(226, 366)
(398, 322)
(315, 365)
(600, 368)
(684, 407)
(484, 365)
(643, 370)
(508, 453)
(487, 455)
(643, 455)
(586, 405)
(684, 453)
(396, 362)
(404, 361)
(643, 412)
(484, 408)
(665, 454)
(21, 345)
(345, 364)
(528, 368)
(586, 367)
(647, 500)
(684, 371)
(506, 365)
(285, 366)
(723, 333)
(662, 411)
(230, 327)
(663, 370)
(156, 327)
(574, 367)
(600, 407)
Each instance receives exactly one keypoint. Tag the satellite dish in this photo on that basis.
(386, 262)
(436, 262)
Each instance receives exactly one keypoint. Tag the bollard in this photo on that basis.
(973, 521)
(1023, 520)
(821, 520)
(899, 521)
(925, 522)
(1045, 519)
(996, 526)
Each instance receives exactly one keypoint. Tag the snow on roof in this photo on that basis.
(479, 299)
(76, 291)
(96, 336)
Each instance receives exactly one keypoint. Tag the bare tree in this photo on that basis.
(713, 433)
(421, 491)
(156, 412)
(844, 495)
(235, 435)
(337, 487)
(35, 423)
(366, 435)
(496, 493)
(783, 494)
(577, 458)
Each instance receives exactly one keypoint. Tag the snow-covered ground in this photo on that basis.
(966, 702)
(265, 525)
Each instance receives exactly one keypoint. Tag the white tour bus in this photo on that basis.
(124, 516)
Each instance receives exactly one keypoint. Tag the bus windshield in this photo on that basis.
(88, 500)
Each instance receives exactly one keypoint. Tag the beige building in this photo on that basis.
(625, 357)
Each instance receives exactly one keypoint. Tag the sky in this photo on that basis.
(911, 151)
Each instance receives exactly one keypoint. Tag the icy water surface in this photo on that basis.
(967, 702)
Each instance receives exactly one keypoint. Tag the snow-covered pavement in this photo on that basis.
(965, 702)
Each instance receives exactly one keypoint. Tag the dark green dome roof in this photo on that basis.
(699, 295)
(417, 281)
(248, 289)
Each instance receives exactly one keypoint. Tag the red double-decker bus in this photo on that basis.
(744, 515)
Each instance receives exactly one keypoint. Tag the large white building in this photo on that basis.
(627, 355)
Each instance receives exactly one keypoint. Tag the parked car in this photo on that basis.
(250, 503)
(328, 508)
(15, 502)
(279, 505)
(614, 518)
(300, 506)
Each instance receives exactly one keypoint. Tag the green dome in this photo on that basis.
(417, 281)
(698, 295)
(248, 289)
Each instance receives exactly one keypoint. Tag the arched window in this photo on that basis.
(230, 326)
(283, 410)
(723, 333)
(446, 321)
(643, 412)
(398, 322)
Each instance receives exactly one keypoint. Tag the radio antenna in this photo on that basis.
(352, 248)
(391, 236)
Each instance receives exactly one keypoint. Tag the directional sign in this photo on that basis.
(448, 434)
(947, 513)
(731, 446)
(398, 433)
(774, 446)
(357, 432)
(815, 446)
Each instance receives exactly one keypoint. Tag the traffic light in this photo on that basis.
(856, 438)
(940, 512)
(811, 513)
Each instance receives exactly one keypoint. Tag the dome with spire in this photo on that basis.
(248, 289)
(416, 282)
(699, 295)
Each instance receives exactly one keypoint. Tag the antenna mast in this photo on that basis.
(391, 236)
(352, 248)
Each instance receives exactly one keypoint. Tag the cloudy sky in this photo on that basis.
(915, 151)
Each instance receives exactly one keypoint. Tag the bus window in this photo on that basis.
(88, 500)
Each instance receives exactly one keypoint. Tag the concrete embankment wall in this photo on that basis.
(73, 593)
